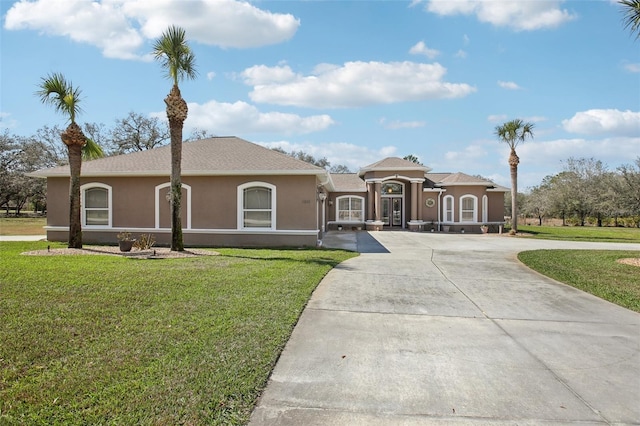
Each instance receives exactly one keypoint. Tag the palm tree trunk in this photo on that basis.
(74, 139)
(75, 225)
(176, 113)
(513, 167)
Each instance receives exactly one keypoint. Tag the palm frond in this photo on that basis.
(91, 150)
(175, 55)
(631, 17)
(514, 131)
(57, 91)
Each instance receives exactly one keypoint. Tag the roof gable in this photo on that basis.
(393, 164)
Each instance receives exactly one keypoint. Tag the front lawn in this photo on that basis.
(112, 340)
(582, 233)
(22, 225)
(593, 271)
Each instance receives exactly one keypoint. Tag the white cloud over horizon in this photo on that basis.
(352, 84)
(243, 118)
(120, 28)
(338, 153)
(604, 121)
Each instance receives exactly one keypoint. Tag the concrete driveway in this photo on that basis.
(451, 329)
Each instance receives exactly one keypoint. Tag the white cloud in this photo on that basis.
(634, 68)
(550, 154)
(518, 15)
(211, 75)
(509, 85)
(352, 84)
(397, 124)
(241, 118)
(6, 122)
(120, 28)
(497, 118)
(458, 161)
(461, 54)
(353, 156)
(421, 49)
(604, 121)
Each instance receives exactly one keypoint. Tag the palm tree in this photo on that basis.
(55, 90)
(512, 133)
(175, 56)
(631, 15)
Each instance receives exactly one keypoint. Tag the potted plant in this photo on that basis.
(125, 241)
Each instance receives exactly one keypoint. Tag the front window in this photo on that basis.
(468, 208)
(256, 206)
(350, 209)
(448, 208)
(96, 201)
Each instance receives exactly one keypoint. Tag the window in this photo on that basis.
(394, 188)
(468, 208)
(256, 206)
(350, 209)
(96, 204)
(448, 208)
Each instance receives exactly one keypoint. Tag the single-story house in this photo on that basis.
(237, 193)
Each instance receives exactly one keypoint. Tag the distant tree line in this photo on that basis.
(320, 162)
(586, 192)
(20, 155)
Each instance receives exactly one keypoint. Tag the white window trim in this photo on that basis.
(165, 185)
(83, 217)
(240, 199)
(338, 208)
(485, 209)
(475, 208)
(444, 208)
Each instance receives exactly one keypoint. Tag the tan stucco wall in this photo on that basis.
(213, 206)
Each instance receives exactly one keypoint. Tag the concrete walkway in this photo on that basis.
(22, 237)
(452, 329)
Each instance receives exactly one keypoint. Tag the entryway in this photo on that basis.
(392, 211)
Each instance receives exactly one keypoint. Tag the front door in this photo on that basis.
(392, 211)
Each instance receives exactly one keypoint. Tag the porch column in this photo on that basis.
(414, 201)
(370, 200)
(377, 200)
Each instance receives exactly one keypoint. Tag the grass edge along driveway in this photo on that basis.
(112, 340)
(594, 271)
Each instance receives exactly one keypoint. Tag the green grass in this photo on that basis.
(111, 340)
(593, 271)
(22, 225)
(583, 233)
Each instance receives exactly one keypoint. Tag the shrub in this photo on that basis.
(145, 242)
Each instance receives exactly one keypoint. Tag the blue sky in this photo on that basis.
(352, 81)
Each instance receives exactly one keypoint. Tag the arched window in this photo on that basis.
(96, 205)
(350, 208)
(447, 207)
(256, 206)
(468, 208)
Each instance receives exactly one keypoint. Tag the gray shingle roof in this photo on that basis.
(205, 157)
(348, 182)
(393, 163)
(449, 179)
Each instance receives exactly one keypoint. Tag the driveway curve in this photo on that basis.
(453, 329)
